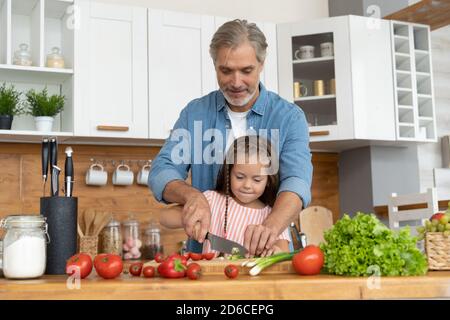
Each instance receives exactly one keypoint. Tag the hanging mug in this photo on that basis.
(123, 176)
(96, 175)
(142, 177)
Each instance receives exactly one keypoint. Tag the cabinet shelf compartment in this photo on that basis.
(320, 112)
(422, 63)
(401, 30)
(27, 27)
(420, 38)
(425, 107)
(5, 8)
(59, 28)
(402, 62)
(404, 97)
(404, 110)
(404, 79)
(315, 69)
(401, 44)
(423, 85)
(405, 116)
(406, 130)
(427, 125)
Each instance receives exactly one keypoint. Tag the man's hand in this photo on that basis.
(257, 238)
(196, 211)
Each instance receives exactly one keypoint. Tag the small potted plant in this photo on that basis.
(10, 106)
(44, 108)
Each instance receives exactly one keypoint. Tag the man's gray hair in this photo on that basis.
(233, 33)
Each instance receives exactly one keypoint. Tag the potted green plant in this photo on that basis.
(10, 105)
(44, 108)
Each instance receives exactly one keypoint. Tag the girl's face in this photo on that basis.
(247, 182)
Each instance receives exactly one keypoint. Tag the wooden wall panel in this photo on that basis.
(21, 183)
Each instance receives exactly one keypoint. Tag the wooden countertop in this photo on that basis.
(262, 287)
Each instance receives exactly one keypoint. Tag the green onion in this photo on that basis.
(260, 264)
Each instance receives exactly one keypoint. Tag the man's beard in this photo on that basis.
(240, 102)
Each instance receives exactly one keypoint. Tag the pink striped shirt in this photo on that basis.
(239, 217)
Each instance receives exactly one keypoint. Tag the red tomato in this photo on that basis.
(108, 266)
(187, 255)
(174, 256)
(136, 269)
(159, 257)
(208, 255)
(82, 261)
(196, 256)
(309, 261)
(149, 272)
(231, 271)
(194, 271)
(437, 216)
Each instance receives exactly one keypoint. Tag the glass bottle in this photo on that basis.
(22, 57)
(132, 243)
(24, 246)
(111, 238)
(55, 59)
(152, 241)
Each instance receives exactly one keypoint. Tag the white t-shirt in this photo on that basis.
(238, 125)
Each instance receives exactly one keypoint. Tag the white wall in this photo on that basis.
(257, 10)
(430, 155)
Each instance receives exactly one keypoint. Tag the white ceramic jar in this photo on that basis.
(24, 246)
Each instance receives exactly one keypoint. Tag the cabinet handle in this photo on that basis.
(112, 128)
(319, 133)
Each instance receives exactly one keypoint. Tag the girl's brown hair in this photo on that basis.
(251, 145)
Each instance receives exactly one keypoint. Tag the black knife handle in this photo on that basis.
(53, 152)
(68, 167)
(44, 155)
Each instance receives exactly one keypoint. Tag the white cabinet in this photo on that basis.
(111, 94)
(348, 95)
(413, 79)
(269, 75)
(180, 68)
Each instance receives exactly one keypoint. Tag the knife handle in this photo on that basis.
(53, 152)
(44, 155)
(68, 167)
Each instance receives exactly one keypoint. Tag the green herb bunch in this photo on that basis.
(360, 245)
(10, 103)
(43, 105)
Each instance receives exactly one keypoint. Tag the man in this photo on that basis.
(242, 104)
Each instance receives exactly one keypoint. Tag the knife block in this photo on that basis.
(61, 214)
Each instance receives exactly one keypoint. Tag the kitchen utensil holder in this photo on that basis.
(437, 247)
(89, 245)
(61, 214)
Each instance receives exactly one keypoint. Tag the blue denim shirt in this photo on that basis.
(270, 111)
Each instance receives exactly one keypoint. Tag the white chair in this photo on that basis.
(412, 217)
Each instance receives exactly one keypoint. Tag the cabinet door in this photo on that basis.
(180, 68)
(269, 75)
(323, 81)
(111, 71)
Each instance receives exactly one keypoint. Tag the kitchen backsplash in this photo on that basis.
(21, 183)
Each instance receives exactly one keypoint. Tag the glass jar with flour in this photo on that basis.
(24, 246)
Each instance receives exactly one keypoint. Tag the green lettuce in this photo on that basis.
(363, 245)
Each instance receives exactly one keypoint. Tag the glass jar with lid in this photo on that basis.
(22, 57)
(152, 241)
(132, 243)
(24, 246)
(111, 238)
(55, 59)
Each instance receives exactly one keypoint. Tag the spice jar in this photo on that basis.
(132, 243)
(24, 246)
(55, 59)
(111, 238)
(152, 242)
(22, 57)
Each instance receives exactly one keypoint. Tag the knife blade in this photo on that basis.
(224, 245)
(44, 156)
(55, 181)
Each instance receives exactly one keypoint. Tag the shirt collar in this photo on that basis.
(258, 107)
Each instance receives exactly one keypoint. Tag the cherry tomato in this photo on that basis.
(208, 255)
(149, 271)
(194, 271)
(187, 255)
(309, 261)
(136, 269)
(196, 256)
(108, 266)
(82, 261)
(159, 257)
(231, 271)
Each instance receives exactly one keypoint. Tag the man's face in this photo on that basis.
(238, 73)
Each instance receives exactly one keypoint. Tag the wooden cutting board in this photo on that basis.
(217, 266)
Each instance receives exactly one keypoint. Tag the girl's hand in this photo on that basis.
(269, 252)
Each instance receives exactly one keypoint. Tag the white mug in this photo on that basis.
(123, 177)
(326, 49)
(304, 52)
(96, 175)
(142, 177)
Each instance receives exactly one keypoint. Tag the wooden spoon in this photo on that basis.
(89, 216)
(102, 221)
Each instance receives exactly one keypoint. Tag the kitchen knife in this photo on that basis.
(68, 173)
(53, 163)
(44, 156)
(223, 245)
(55, 181)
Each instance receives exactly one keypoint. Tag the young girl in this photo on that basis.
(244, 195)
